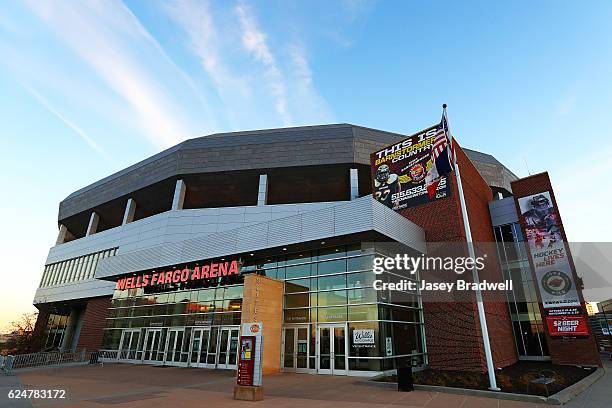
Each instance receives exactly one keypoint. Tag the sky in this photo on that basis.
(89, 88)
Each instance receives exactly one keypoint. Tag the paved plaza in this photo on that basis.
(127, 385)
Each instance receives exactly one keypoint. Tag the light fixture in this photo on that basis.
(322, 242)
(284, 249)
(251, 254)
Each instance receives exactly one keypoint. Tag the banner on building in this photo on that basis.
(399, 171)
(551, 264)
(567, 326)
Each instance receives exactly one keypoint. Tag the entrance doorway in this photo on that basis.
(332, 356)
(295, 349)
(174, 348)
(151, 353)
(228, 348)
(128, 347)
(199, 348)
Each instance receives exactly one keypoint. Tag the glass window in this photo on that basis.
(206, 294)
(333, 252)
(361, 263)
(336, 297)
(367, 295)
(299, 285)
(298, 258)
(331, 314)
(332, 282)
(366, 312)
(360, 279)
(297, 316)
(297, 300)
(328, 267)
(297, 271)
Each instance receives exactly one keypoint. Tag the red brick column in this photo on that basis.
(580, 351)
(94, 322)
(452, 327)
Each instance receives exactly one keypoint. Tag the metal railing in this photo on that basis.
(10, 363)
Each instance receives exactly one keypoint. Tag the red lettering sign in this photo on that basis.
(206, 271)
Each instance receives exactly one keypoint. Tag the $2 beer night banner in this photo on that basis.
(206, 271)
(413, 171)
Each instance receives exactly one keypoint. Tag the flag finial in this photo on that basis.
(444, 106)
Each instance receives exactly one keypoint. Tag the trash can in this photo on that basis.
(404, 379)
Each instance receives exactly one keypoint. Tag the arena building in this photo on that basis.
(162, 261)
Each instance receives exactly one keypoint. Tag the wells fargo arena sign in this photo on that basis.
(399, 172)
(205, 271)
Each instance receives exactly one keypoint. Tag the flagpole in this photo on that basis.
(472, 253)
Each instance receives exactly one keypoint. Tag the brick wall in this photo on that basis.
(581, 351)
(452, 326)
(94, 322)
(263, 302)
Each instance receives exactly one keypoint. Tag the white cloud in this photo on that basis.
(254, 41)
(106, 36)
(86, 138)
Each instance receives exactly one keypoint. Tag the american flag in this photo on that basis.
(441, 158)
(441, 142)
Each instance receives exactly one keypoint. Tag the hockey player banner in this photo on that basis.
(399, 172)
(552, 268)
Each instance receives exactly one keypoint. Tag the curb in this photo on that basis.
(560, 398)
(573, 390)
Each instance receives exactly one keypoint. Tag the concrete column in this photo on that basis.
(262, 193)
(179, 195)
(93, 224)
(61, 235)
(354, 177)
(130, 209)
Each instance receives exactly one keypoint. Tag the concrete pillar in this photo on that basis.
(93, 224)
(262, 193)
(67, 340)
(130, 209)
(61, 235)
(179, 195)
(354, 177)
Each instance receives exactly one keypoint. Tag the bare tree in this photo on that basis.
(21, 338)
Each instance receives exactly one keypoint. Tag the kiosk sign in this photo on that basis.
(250, 356)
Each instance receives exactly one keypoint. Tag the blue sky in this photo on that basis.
(88, 88)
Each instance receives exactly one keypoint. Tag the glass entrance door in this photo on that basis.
(129, 345)
(151, 345)
(199, 347)
(295, 349)
(174, 347)
(331, 341)
(228, 348)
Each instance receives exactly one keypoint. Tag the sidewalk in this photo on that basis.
(135, 386)
(599, 395)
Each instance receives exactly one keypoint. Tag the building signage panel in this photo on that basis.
(246, 362)
(363, 336)
(250, 358)
(548, 251)
(567, 326)
(205, 271)
(399, 171)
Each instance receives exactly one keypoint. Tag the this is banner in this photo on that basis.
(567, 326)
(399, 171)
(548, 252)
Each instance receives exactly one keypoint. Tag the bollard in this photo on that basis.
(404, 379)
